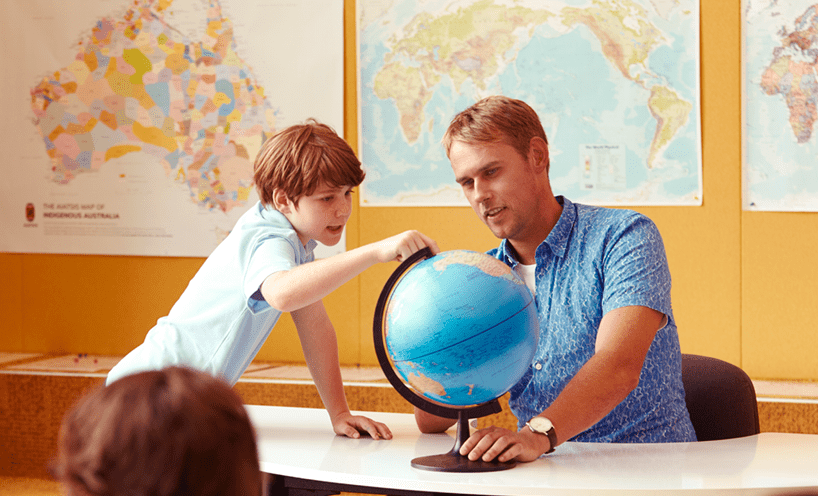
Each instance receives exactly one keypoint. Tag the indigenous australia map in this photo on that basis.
(134, 124)
(615, 83)
(780, 90)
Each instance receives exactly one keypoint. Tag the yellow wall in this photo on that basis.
(743, 282)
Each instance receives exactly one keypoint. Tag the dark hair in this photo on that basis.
(300, 158)
(495, 119)
(170, 432)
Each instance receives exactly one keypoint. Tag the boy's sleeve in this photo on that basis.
(270, 255)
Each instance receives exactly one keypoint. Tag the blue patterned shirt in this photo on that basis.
(593, 261)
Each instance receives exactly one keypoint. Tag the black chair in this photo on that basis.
(720, 397)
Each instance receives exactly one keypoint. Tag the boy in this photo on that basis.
(304, 176)
(169, 432)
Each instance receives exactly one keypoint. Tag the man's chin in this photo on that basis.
(495, 229)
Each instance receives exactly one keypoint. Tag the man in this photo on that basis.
(608, 365)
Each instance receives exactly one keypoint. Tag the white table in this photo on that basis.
(298, 445)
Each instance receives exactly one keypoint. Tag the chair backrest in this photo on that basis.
(720, 397)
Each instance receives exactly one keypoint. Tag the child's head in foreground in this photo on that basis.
(303, 158)
(170, 432)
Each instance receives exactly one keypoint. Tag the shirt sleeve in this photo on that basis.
(270, 255)
(635, 267)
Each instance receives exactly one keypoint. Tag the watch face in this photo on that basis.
(540, 424)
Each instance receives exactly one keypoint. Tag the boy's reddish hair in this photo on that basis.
(300, 158)
(170, 432)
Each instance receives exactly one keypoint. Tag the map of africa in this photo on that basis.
(615, 82)
(780, 101)
(143, 117)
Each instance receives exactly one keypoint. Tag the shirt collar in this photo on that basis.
(271, 213)
(557, 239)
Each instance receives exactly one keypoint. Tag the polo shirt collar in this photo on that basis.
(271, 213)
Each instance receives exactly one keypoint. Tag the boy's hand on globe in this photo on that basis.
(353, 425)
(401, 246)
(504, 445)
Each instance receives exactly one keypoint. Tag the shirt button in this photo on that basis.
(538, 366)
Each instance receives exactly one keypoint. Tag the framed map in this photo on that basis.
(780, 97)
(615, 83)
(132, 125)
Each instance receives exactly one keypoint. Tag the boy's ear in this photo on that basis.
(281, 201)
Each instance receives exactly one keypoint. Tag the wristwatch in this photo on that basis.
(542, 425)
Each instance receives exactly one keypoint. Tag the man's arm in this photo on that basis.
(429, 423)
(624, 337)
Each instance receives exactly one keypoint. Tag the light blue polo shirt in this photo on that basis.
(595, 260)
(221, 320)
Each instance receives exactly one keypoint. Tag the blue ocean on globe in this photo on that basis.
(460, 328)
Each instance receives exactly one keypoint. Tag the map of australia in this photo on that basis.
(137, 84)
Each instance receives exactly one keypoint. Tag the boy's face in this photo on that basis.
(322, 215)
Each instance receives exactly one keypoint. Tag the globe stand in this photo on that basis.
(452, 461)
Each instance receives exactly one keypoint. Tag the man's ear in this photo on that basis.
(538, 154)
(281, 201)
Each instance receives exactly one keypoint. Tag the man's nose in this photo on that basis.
(481, 191)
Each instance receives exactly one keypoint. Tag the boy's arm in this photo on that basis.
(306, 284)
(320, 348)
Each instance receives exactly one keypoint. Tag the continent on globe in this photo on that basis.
(460, 328)
(137, 84)
(792, 73)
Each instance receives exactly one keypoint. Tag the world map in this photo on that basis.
(614, 82)
(134, 124)
(781, 106)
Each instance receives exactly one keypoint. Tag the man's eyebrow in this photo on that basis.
(483, 168)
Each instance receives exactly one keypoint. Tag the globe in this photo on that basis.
(454, 332)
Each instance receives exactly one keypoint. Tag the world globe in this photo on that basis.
(454, 332)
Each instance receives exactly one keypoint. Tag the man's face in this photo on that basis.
(500, 185)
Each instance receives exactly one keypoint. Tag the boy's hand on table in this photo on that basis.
(353, 425)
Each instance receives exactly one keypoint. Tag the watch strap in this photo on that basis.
(550, 433)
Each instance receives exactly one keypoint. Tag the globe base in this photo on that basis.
(455, 462)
